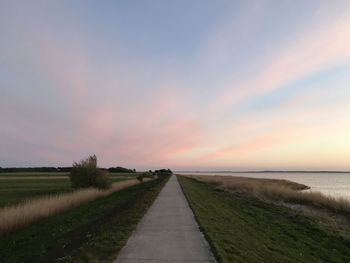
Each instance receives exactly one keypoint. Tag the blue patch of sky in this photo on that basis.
(322, 80)
(158, 28)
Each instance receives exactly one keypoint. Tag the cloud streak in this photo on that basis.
(325, 48)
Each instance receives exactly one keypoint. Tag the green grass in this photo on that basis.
(241, 228)
(18, 187)
(94, 232)
(31, 174)
(13, 191)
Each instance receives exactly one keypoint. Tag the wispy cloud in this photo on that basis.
(311, 52)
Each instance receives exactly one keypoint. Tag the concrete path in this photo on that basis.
(167, 233)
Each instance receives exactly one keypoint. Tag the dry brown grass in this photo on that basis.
(249, 183)
(278, 190)
(16, 217)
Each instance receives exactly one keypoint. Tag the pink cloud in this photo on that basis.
(248, 146)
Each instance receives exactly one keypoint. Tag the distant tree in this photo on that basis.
(163, 172)
(119, 169)
(29, 169)
(87, 174)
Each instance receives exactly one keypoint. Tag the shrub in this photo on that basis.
(149, 174)
(163, 172)
(143, 175)
(86, 174)
(140, 177)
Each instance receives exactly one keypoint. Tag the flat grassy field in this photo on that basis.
(33, 174)
(93, 232)
(242, 228)
(18, 187)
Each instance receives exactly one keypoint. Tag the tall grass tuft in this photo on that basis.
(16, 217)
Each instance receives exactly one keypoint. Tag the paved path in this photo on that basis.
(167, 233)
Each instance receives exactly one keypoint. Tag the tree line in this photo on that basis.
(117, 169)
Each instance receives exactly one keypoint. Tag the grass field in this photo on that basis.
(33, 174)
(18, 187)
(93, 232)
(243, 228)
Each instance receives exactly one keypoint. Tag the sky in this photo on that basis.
(189, 85)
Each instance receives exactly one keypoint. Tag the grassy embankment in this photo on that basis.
(93, 232)
(16, 217)
(277, 190)
(242, 227)
(17, 187)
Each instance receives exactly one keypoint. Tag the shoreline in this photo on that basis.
(330, 184)
(266, 171)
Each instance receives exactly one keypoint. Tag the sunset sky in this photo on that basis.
(204, 85)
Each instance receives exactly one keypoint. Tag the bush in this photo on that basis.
(140, 177)
(163, 172)
(149, 174)
(86, 174)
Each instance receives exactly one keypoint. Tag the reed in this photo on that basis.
(278, 190)
(13, 218)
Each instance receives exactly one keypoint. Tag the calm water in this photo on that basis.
(334, 184)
